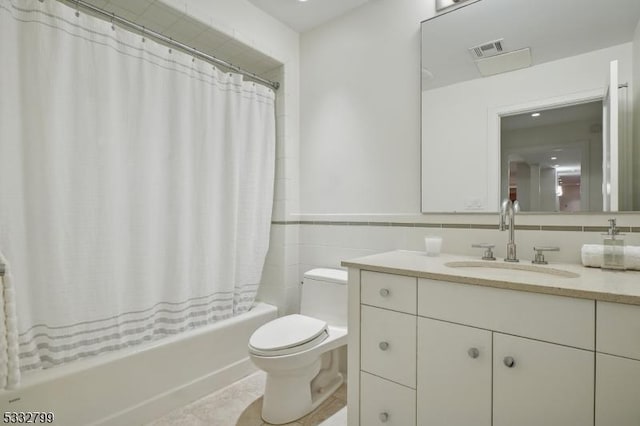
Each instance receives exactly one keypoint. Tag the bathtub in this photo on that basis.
(136, 385)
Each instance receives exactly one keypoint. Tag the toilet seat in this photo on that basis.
(287, 335)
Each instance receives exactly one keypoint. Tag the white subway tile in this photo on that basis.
(292, 235)
(279, 210)
(291, 255)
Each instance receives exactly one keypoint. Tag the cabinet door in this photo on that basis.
(454, 374)
(537, 383)
(617, 391)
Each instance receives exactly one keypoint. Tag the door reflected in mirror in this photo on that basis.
(552, 159)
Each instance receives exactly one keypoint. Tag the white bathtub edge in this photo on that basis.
(141, 384)
(166, 402)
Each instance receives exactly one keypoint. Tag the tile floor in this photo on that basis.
(240, 404)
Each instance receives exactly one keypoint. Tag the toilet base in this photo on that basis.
(291, 395)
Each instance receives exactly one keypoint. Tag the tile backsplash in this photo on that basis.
(321, 241)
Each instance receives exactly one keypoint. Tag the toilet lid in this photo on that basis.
(287, 332)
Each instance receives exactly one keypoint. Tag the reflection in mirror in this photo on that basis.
(489, 64)
(552, 159)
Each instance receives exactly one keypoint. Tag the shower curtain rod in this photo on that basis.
(171, 42)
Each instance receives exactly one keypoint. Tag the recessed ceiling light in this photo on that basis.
(554, 158)
(535, 114)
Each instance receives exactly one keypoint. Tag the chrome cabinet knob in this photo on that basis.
(474, 353)
(384, 416)
(384, 292)
(383, 346)
(509, 361)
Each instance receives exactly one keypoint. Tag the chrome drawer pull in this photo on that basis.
(383, 417)
(384, 292)
(383, 346)
(474, 353)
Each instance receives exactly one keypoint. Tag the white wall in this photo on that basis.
(360, 102)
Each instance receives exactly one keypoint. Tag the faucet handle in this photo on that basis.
(539, 259)
(488, 252)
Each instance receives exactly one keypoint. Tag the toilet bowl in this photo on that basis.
(301, 352)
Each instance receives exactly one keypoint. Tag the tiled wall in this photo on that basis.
(280, 281)
(321, 241)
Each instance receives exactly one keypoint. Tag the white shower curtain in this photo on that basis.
(136, 184)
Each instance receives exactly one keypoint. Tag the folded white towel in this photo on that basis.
(9, 361)
(632, 257)
(592, 255)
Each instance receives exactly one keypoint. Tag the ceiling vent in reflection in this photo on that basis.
(486, 50)
(504, 62)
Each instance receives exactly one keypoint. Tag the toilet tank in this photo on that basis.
(324, 295)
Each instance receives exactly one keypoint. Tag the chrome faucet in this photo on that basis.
(510, 209)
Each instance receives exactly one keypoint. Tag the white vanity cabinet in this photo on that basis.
(470, 376)
(503, 379)
(617, 364)
(433, 346)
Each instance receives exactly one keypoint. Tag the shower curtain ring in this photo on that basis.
(143, 39)
(171, 40)
(77, 8)
(113, 16)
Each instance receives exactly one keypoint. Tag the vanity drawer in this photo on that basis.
(556, 319)
(618, 329)
(385, 402)
(388, 344)
(388, 291)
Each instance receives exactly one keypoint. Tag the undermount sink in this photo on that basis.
(514, 266)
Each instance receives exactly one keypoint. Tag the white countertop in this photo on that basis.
(592, 283)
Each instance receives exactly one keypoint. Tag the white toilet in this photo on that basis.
(300, 353)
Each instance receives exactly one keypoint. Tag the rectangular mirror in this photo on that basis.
(531, 100)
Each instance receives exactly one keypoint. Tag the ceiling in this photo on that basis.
(305, 15)
(552, 29)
